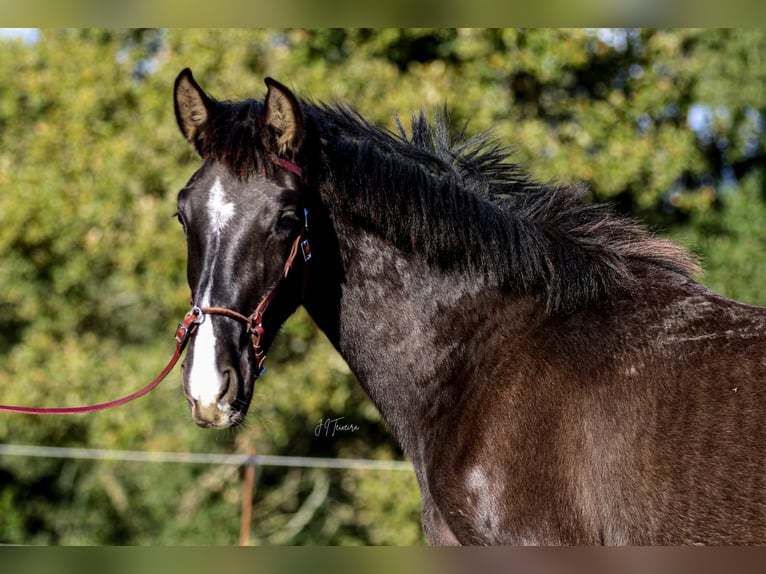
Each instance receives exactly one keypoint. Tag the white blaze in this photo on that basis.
(205, 379)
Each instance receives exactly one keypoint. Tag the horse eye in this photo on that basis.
(180, 219)
(288, 221)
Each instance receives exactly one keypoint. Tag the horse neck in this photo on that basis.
(402, 326)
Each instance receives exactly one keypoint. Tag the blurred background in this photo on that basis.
(666, 124)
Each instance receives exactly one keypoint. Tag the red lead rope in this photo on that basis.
(183, 333)
(194, 318)
(185, 329)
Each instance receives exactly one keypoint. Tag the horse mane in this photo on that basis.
(461, 204)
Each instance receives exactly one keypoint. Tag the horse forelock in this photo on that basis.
(236, 138)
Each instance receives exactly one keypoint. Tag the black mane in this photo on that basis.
(461, 204)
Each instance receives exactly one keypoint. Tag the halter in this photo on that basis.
(196, 316)
(254, 321)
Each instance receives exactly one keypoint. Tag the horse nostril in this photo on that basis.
(189, 398)
(229, 386)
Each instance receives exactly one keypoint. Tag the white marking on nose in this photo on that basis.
(205, 378)
(220, 210)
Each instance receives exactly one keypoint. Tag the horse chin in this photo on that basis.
(217, 418)
(223, 415)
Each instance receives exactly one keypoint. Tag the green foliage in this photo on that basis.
(731, 241)
(92, 273)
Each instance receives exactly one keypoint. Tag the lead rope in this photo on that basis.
(184, 331)
(195, 317)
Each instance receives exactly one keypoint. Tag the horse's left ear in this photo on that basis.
(284, 117)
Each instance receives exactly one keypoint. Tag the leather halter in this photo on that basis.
(254, 321)
(196, 316)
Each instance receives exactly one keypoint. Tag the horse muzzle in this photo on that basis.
(213, 416)
(212, 384)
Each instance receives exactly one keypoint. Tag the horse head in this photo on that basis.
(243, 215)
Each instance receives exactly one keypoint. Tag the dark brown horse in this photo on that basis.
(552, 370)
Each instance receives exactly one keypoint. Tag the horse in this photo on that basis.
(550, 367)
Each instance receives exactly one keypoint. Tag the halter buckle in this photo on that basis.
(306, 250)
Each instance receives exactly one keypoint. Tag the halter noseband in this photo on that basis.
(254, 321)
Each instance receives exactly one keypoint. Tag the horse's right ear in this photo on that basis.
(284, 117)
(193, 109)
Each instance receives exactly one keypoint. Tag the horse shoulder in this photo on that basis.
(551, 443)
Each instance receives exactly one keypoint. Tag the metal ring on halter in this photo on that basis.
(196, 310)
(191, 320)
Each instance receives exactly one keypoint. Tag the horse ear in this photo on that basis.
(193, 109)
(284, 117)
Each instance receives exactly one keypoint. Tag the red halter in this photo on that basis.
(195, 317)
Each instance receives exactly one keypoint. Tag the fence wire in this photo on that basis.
(201, 458)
